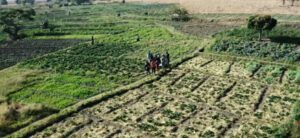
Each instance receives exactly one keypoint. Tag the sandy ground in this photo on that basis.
(235, 6)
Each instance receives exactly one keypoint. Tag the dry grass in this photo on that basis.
(12, 79)
(234, 6)
(14, 116)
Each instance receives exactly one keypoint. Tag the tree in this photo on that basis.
(283, 2)
(261, 23)
(3, 2)
(180, 14)
(293, 2)
(30, 1)
(18, 2)
(45, 24)
(11, 21)
(123, 1)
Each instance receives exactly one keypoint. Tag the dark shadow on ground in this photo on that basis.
(285, 39)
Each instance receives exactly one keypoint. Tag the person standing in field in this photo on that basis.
(158, 62)
(165, 62)
(147, 67)
(149, 56)
(168, 56)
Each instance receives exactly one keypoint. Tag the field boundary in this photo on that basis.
(43, 123)
(236, 58)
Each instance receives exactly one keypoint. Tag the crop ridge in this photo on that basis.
(200, 83)
(236, 57)
(186, 119)
(255, 71)
(151, 111)
(242, 79)
(68, 133)
(282, 75)
(203, 104)
(228, 127)
(228, 69)
(226, 91)
(114, 133)
(129, 102)
(176, 79)
(206, 63)
(261, 98)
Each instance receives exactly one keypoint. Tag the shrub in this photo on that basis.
(11, 21)
(261, 23)
(14, 116)
(180, 14)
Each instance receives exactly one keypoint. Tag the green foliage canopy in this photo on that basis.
(11, 21)
(261, 23)
(180, 14)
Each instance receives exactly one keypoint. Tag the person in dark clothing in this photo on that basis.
(158, 61)
(165, 62)
(147, 67)
(168, 56)
(149, 56)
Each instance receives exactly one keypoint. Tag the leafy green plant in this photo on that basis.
(147, 127)
(172, 115)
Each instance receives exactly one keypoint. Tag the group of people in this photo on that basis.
(155, 62)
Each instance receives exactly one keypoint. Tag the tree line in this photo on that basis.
(291, 1)
(59, 2)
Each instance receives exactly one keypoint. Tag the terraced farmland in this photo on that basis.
(203, 97)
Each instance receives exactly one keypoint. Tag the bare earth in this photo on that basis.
(234, 6)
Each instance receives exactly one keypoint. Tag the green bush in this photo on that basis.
(180, 14)
(261, 23)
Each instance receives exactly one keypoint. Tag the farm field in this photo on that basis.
(66, 68)
(85, 77)
(190, 101)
